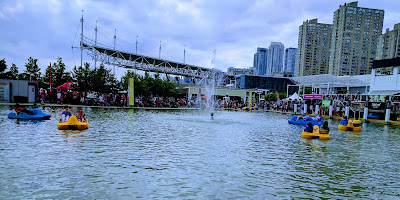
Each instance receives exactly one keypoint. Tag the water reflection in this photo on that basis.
(187, 155)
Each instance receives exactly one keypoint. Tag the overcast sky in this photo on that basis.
(235, 28)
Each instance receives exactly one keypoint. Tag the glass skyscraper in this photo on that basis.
(290, 60)
(260, 61)
(275, 58)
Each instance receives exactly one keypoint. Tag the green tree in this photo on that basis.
(32, 71)
(60, 76)
(272, 96)
(147, 85)
(82, 76)
(103, 80)
(14, 71)
(3, 65)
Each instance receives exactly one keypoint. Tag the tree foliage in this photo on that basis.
(272, 96)
(32, 71)
(82, 76)
(103, 80)
(99, 80)
(58, 74)
(14, 72)
(3, 65)
(147, 85)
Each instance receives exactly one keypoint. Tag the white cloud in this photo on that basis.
(47, 29)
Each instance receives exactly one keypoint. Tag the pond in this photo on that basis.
(128, 154)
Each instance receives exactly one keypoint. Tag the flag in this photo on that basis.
(51, 77)
(277, 95)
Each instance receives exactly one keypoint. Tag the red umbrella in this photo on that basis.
(65, 86)
(205, 97)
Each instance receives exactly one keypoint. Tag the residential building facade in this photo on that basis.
(313, 50)
(389, 44)
(354, 39)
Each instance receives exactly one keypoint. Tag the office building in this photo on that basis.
(354, 39)
(269, 83)
(313, 50)
(275, 57)
(260, 61)
(290, 60)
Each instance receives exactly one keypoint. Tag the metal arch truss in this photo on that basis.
(145, 63)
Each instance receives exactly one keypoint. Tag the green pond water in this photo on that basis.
(127, 154)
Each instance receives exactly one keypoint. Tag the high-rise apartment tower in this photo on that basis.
(313, 51)
(389, 44)
(354, 39)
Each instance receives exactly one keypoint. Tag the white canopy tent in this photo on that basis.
(293, 97)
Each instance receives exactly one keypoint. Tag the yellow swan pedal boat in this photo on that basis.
(356, 126)
(249, 108)
(73, 123)
(316, 134)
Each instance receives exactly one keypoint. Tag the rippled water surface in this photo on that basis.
(128, 154)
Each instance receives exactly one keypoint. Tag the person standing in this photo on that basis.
(42, 97)
(123, 98)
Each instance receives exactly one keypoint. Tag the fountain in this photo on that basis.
(210, 81)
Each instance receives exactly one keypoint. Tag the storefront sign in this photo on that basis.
(4, 92)
(313, 96)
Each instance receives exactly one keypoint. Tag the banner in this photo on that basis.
(4, 92)
(313, 96)
(131, 93)
(326, 103)
(250, 98)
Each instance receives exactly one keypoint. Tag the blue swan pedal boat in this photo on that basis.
(294, 121)
(37, 114)
(373, 116)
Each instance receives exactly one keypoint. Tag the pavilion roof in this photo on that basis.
(333, 81)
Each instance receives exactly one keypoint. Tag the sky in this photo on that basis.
(49, 29)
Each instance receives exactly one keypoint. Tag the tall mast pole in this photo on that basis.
(82, 39)
(115, 39)
(184, 54)
(136, 44)
(159, 52)
(95, 44)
